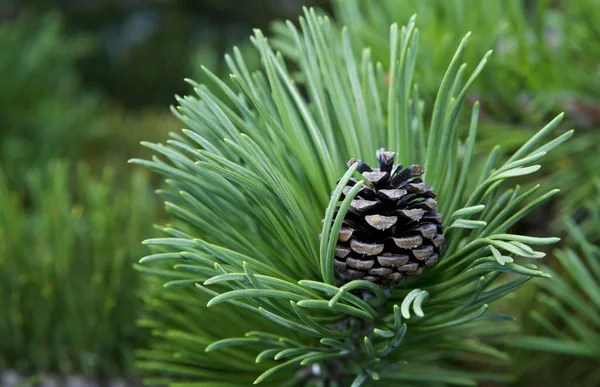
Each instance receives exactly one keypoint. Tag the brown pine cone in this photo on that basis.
(392, 229)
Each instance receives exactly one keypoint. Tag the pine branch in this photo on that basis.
(250, 181)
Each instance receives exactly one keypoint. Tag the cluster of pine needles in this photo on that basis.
(254, 189)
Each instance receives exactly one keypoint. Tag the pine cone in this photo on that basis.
(391, 229)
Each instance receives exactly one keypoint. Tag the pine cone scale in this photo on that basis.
(423, 253)
(342, 252)
(412, 214)
(345, 234)
(392, 260)
(427, 230)
(410, 242)
(365, 248)
(362, 205)
(393, 194)
(381, 222)
(359, 264)
(431, 260)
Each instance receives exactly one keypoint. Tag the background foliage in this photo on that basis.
(69, 295)
(535, 43)
(42, 101)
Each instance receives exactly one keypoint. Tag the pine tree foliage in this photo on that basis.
(536, 41)
(567, 316)
(252, 186)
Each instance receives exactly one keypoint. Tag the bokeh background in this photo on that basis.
(89, 79)
(83, 82)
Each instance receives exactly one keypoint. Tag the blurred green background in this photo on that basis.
(83, 82)
(90, 79)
